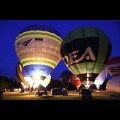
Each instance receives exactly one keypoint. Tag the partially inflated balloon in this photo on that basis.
(46, 81)
(76, 81)
(42, 84)
(113, 66)
(113, 85)
(38, 49)
(100, 78)
(85, 51)
(65, 78)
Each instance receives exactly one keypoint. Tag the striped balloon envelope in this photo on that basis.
(38, 50)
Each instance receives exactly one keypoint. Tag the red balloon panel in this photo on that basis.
(76, 81)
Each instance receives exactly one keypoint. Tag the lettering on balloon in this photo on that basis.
(49, 51)
(115, 69)
(25, 51)
(72, 58)
(46, 48)
(48, 45)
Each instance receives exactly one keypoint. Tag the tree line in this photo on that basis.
(11, 83)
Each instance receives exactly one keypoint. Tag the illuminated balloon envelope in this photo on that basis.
(27, 77)
(44, 82)
(38, 49)
(87, 83)
(100, 78)
(19, 72)
(85, 52)
(113, 66)
(25, 80)
(113, 85)
(76, 81)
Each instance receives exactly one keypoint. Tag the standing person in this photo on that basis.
(1, 94)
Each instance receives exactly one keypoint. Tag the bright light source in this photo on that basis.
(87, 74)
(46, 81)
(87, 83)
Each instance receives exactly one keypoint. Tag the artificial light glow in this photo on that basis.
(87, 83)
(24, 86)
(87, 75)
(98, 86)
(113, 84)
(36, 75)
(46, 81)
(98, 82)
(29, 80)
(37, 83)
(101, 78)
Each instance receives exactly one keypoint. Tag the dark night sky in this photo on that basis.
(9, 29)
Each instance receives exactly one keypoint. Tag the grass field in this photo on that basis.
(72, 95)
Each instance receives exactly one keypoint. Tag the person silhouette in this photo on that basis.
(1, 94)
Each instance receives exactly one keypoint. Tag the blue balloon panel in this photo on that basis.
(34, 69)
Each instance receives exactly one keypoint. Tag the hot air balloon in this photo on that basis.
(85, 52)
(113, 67)
(101, 78)
(66, 78)
(38, 49)
(76, 81)
(113, 85)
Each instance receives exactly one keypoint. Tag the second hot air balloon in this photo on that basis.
(76, 81)
(85, 52)
(113, 67)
